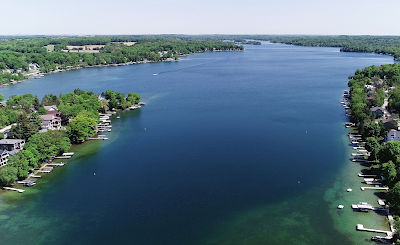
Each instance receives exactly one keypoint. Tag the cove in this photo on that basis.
(231, 148)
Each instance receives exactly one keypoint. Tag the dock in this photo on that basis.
(134, 107)
(28, 182)
(374, 188)
(360, 154)
(68, 153)
(45, 169)
(366, 175)
(13, 189)
(62, 157)
(365, 207)
(98, 138)
(361, 227)
(55, 164)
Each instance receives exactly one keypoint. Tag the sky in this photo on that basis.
(90, 17)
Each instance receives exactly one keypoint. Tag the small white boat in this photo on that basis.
(349, 190)
(340, 207)
(118, 117)
(155, 74)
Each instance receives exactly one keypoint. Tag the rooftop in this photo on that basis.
(48, 117)
(393, 134)
(50, 107)
(10, 141)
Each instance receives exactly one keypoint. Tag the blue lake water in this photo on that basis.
(231, 148)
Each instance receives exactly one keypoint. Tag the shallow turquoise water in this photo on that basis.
(231, 148)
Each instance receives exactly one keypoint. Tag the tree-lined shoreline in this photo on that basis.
(21, 58)
(79, 114)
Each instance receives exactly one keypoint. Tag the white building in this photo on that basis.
(393, 135)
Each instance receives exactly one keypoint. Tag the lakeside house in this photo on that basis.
(3, 158)
(393, 135)
(379, 111)
(52, 110)
(12, 146)
(33, 67)
(51, 122)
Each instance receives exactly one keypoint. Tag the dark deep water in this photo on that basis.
(231, 148)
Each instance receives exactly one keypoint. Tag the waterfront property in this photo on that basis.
(52, 110)
(12, 146)
(393, 135)
(51, 122)
(378, 111)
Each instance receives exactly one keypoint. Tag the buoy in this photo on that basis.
(340, 207)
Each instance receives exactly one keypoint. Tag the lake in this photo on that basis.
(232, 148)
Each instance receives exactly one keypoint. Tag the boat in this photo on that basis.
(155, 74)
(118, 117)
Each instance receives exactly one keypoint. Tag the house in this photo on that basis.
(393, 135)
(370, 87)
(33, 67)
(379, 111)
(12, 146)
(52, 110)
(51, 122)
(3, 158)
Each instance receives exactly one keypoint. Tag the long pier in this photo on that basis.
(374, 188)
(367, 175)
(63, 157)
(361, 227)
(13, 189)
(55, 164)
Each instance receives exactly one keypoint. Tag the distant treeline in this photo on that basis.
(50, 53)
(389, 45)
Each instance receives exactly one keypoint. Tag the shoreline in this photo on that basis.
(55, 162)
(341, 49)
(38, 74)
(353, 180)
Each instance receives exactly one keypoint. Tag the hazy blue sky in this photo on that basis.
(381, 17)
